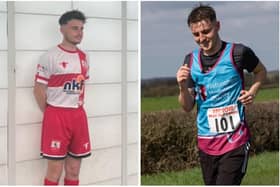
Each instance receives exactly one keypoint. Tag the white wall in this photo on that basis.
(3, 93)
(36, 30)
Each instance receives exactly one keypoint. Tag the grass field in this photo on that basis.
(262, 169)
(171, 102)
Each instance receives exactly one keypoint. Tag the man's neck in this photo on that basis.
(68, 46)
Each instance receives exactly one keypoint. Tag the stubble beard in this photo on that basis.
(73, 42)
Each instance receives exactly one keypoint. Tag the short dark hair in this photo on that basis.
(73, 14)
(201, 12)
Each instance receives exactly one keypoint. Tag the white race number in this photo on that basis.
(223, 119)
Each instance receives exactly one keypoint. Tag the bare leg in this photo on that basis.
(72, 168)
(54, 170)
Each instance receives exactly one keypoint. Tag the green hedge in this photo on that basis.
(169, 141)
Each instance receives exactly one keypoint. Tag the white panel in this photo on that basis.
(110, 182)
(132, 9)
(105, 131)
(4, 175)
(132, 35)
(132, 128)
(36, 31)
(132, 180)
(3, 107)
(132, 97)
(28, 142)
(3, 32)
(102, 35)
(132, 159)
(3, 70)
(51, 7)
(103, 99)
(27, 110)
(26, 63)
(105, 67)
(3, 145)
(3, 6)
(31, 172)
(132, 66)
(99, 9)
(103, 165)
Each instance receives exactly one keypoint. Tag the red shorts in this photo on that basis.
(65, 131)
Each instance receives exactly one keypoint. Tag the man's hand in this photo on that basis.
(246, 97)
(182, 75)
(39, 92)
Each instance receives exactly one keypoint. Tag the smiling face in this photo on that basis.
(73, 31)
(205, 34)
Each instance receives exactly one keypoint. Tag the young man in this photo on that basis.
(212, 76)
(59, 91)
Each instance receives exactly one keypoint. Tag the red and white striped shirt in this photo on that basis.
(64, 72)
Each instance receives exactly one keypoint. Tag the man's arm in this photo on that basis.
(186, 99)
(186, 95)
(39, 92)
(259, 76)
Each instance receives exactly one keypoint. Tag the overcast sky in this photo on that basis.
(166, 39)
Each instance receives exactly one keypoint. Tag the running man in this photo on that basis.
(212, 77)
(59, 91)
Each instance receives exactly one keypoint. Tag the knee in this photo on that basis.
(72, 171)
(54, 172)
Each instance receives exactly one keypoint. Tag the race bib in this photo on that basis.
(223, 119)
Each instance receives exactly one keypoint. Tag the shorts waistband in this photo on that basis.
(64, 108)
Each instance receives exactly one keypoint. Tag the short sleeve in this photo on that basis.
(187, 60)
(250, 60)
(245, 57)
(43, 70)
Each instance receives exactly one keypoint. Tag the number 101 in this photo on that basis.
(223, 124)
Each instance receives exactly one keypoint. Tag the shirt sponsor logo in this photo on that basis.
(75, 86)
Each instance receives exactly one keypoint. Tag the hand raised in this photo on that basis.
(183, 74)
